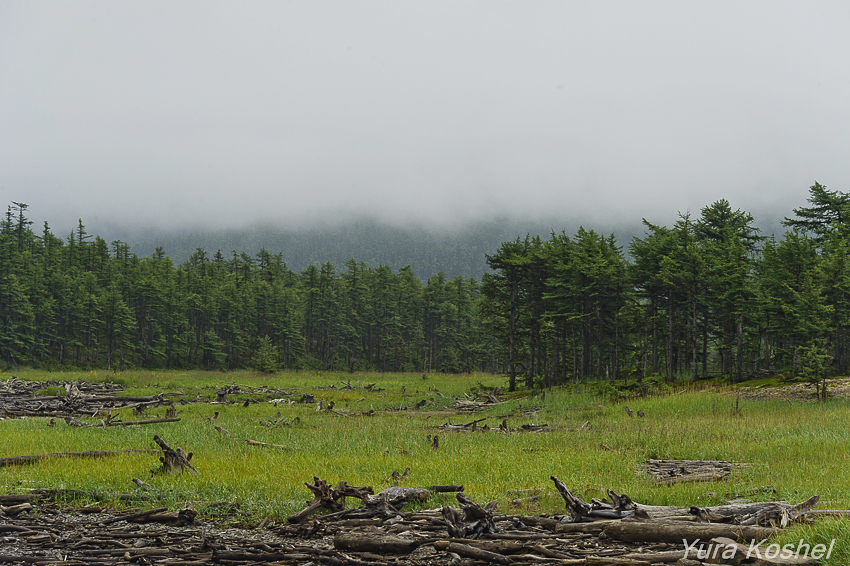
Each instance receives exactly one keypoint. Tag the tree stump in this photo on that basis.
(618, 507)
(326, 497)
(173, 459)
(472, 521)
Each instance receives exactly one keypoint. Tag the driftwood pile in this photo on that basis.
(478, 402)
(73, 399)
(384, 505)
(679, 471)
(475, 426)
(606, 532)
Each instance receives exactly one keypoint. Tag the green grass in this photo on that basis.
(798, 448)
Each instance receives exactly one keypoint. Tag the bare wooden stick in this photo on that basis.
(445, 488)
(151, 421)
(258, 443)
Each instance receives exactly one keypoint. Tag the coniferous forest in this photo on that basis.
(709, 295)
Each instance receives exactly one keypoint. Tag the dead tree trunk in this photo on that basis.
(173, 460)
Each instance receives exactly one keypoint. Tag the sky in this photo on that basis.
(210, 114)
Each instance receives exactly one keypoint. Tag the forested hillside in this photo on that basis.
(706, 295)
(454, 251)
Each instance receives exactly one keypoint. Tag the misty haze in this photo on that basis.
(200, 116)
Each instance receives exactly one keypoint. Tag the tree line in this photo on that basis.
(78, 301)
(708, 295)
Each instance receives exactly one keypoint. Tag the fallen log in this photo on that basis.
(766, 514)
(594, 528)
(15, 529)
(21, 460)
(666, 472)
(380, 544)
(471, 552)
(179, 518)
(397, 496)
(677, 532)
(769, 513)
(132, 516)
(13, 510)
(17, 498)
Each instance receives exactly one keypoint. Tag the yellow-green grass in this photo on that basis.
(798, 448)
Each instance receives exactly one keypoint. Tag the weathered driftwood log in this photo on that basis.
(593, 528)
(327, 497)
(384, 505)
(20, 460)
(380, 544)
(618, 507)
(13, 510)
(398, 496)
(179, 518)
(678, 471)
(769, 513)
(472, 552)
(132, 516)
(472, 521)
(677, 532)
(470, 406)
(15, 498)
(766, 514)
(173, 459)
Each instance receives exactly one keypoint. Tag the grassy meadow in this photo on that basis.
(798, 448)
